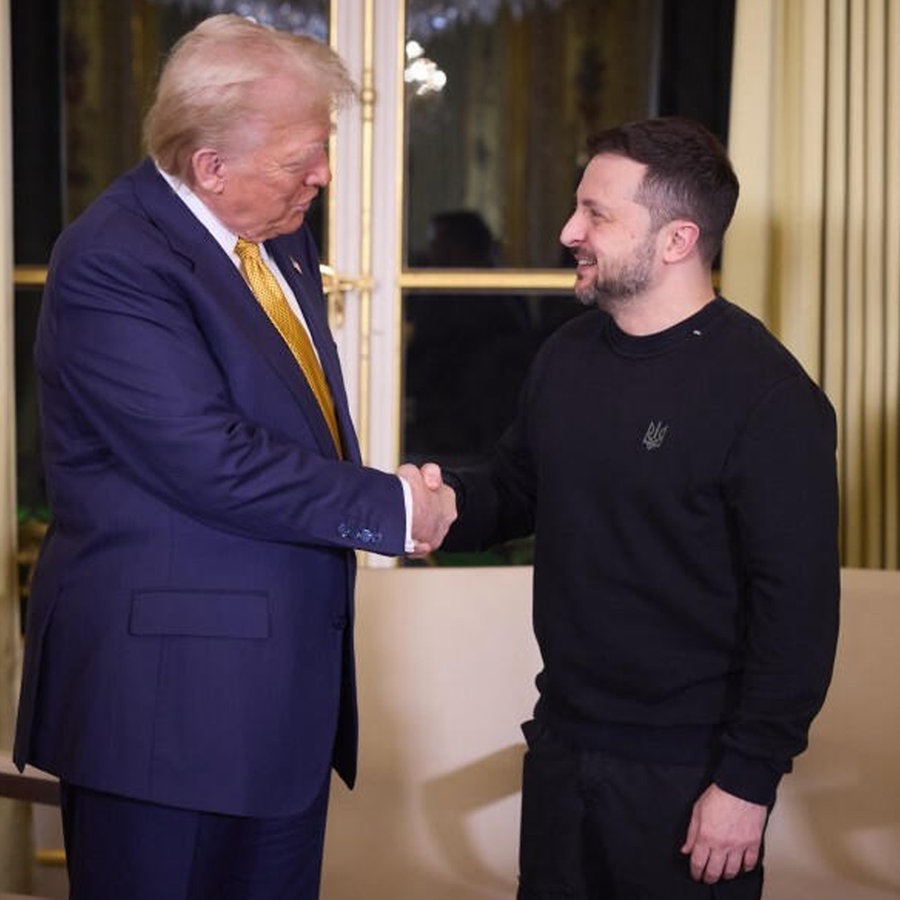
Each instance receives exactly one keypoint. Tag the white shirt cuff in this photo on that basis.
(408, 505)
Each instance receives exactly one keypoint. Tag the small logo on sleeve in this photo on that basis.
(655, 435)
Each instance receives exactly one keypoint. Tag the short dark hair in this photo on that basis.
(688, 174)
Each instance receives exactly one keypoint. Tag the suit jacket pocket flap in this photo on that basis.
(223, 614)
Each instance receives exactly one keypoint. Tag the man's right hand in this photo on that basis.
(434, 506)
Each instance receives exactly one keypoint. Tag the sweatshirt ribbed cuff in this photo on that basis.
(751, 779)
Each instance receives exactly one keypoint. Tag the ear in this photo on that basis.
(208, 169)
(681, 238)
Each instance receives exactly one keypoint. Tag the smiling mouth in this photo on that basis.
(584, 262)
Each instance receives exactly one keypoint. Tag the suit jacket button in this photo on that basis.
(339, 623)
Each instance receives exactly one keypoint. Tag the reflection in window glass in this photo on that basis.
(500, 103)
(465, 359)
(110, 57)
(503, 95)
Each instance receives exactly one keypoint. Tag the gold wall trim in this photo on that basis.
(332, 282)
(367, 181)
(396, 299)
(331, 194)
(423, 279)
(29, 276)
(489, 279)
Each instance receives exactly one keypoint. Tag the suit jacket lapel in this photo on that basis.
(219, 277)
(302, 274)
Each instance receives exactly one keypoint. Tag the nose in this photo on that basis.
(571, 231)
(319, 170)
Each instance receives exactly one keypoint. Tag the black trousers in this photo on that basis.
(123, 849)
(598, 827)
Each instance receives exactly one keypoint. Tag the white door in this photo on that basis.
(364, 221)
(370, 213)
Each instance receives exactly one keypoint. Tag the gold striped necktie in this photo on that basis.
(270, 296)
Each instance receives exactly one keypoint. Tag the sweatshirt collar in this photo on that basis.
(693, 327)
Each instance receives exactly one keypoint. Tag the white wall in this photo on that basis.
(447, 662)
(835, 834)
(446, 669)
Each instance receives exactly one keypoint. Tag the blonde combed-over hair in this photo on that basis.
(207, 90)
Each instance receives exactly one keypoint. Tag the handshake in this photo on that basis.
(434, 506)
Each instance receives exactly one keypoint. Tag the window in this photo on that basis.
(494, 102)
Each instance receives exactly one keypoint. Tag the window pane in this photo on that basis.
(110, 55)
(522, 94)
(502, 96)
(465, 359)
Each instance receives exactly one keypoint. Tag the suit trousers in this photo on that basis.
(599, 827)
(123, 849)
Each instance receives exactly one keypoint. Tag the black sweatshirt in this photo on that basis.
(683, 495)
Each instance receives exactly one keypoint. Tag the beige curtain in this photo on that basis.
(15, 838)
(815, 246)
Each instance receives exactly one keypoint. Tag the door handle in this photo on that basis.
(335, 286)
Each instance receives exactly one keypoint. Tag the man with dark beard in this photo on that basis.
(677, 468)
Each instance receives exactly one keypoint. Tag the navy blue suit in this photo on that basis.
(189, 636)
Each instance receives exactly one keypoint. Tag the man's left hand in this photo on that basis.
(724, 836)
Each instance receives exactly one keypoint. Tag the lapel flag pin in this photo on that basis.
(296, 265)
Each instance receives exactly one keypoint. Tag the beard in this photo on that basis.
(617, 284)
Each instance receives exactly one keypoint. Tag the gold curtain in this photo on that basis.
(815, 246)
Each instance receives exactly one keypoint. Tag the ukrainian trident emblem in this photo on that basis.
(656, 434)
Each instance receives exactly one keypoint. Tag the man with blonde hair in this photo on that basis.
(189, 670)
